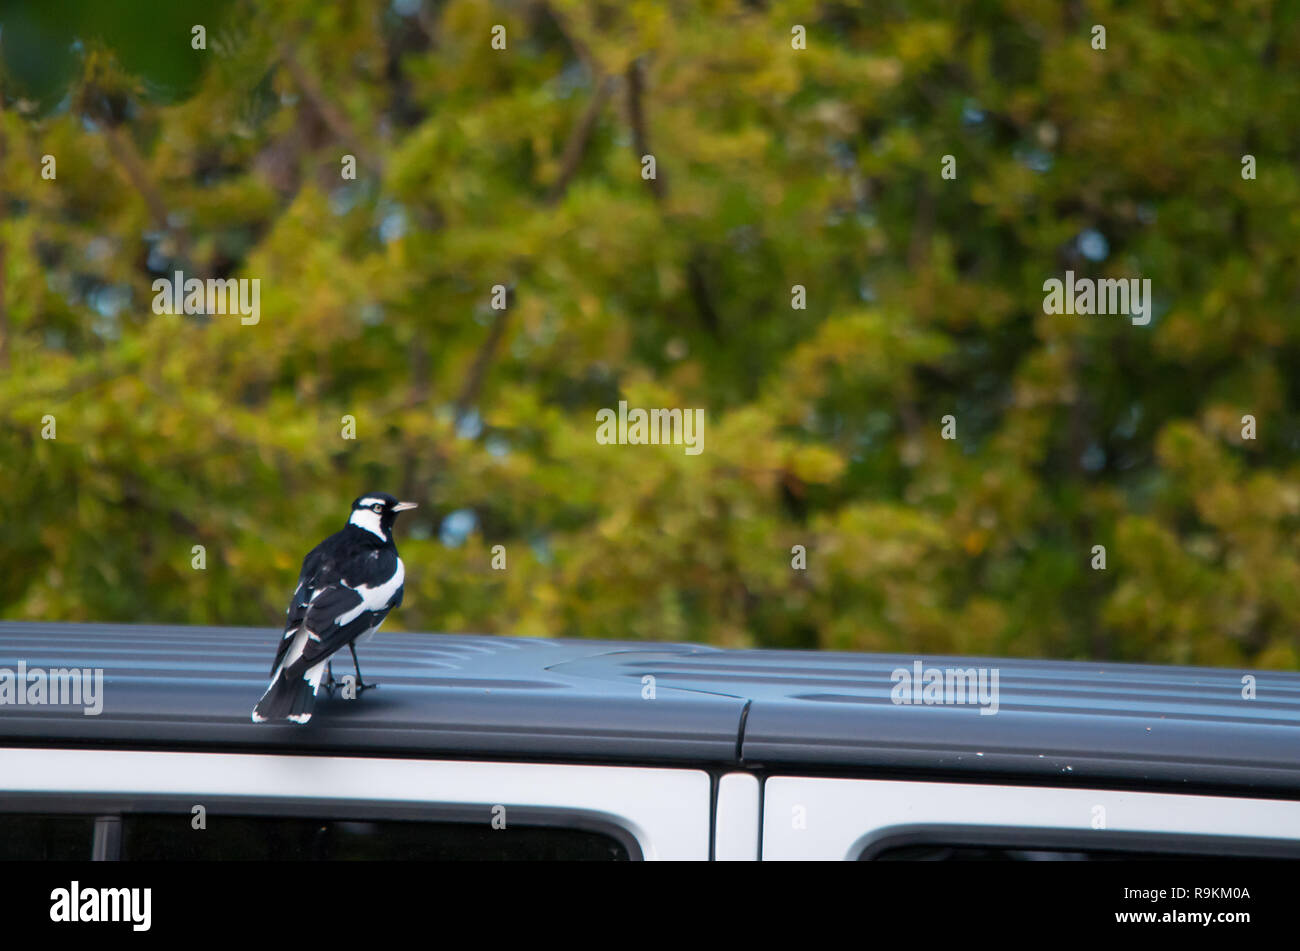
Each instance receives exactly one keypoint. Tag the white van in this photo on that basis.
(515, 748)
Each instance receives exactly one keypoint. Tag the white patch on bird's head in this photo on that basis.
(367, 519)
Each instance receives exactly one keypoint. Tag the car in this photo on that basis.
(496, 747)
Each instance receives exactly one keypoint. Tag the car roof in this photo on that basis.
(445, 695)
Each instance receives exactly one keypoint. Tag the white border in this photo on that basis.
(665, 810)
(840, 815)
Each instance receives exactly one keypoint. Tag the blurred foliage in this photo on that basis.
(776, 167)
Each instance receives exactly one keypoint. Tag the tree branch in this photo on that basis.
(640, 132)
(576, 147)
(124, 152)
(695, 264)
(482, 360)
(918, 252)
(332, 116)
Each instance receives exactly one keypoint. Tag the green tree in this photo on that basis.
(821, 167)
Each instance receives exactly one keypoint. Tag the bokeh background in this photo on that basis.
(775, 167)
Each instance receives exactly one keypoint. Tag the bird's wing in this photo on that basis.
(370, 586)
(316, 574)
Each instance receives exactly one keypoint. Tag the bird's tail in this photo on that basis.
(291, 696)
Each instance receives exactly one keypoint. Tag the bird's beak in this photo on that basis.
(403, 506)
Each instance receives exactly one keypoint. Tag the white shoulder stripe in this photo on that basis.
(376, 598)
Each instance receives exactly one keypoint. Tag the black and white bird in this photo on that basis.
(349, 583)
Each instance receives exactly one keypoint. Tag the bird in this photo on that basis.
(348, 584)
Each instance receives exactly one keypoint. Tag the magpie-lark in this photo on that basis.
(349, 583)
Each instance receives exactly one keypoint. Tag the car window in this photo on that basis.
(26, 837)
(942, 852)
(171, 837)
(168, 837)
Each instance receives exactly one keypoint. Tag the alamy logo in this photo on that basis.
(58, 687)
(946, 685)
(1129, 297)
(183, 295)
(103, 904)
(656, 427)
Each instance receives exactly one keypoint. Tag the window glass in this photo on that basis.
(262, 838)
(986, 853)
(26, 837)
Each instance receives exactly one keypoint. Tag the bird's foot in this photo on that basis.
(363, 687)
(329, 683)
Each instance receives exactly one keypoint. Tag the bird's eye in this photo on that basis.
(377, 508)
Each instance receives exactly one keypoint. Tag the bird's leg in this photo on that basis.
(329, 683)
(361, 685)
